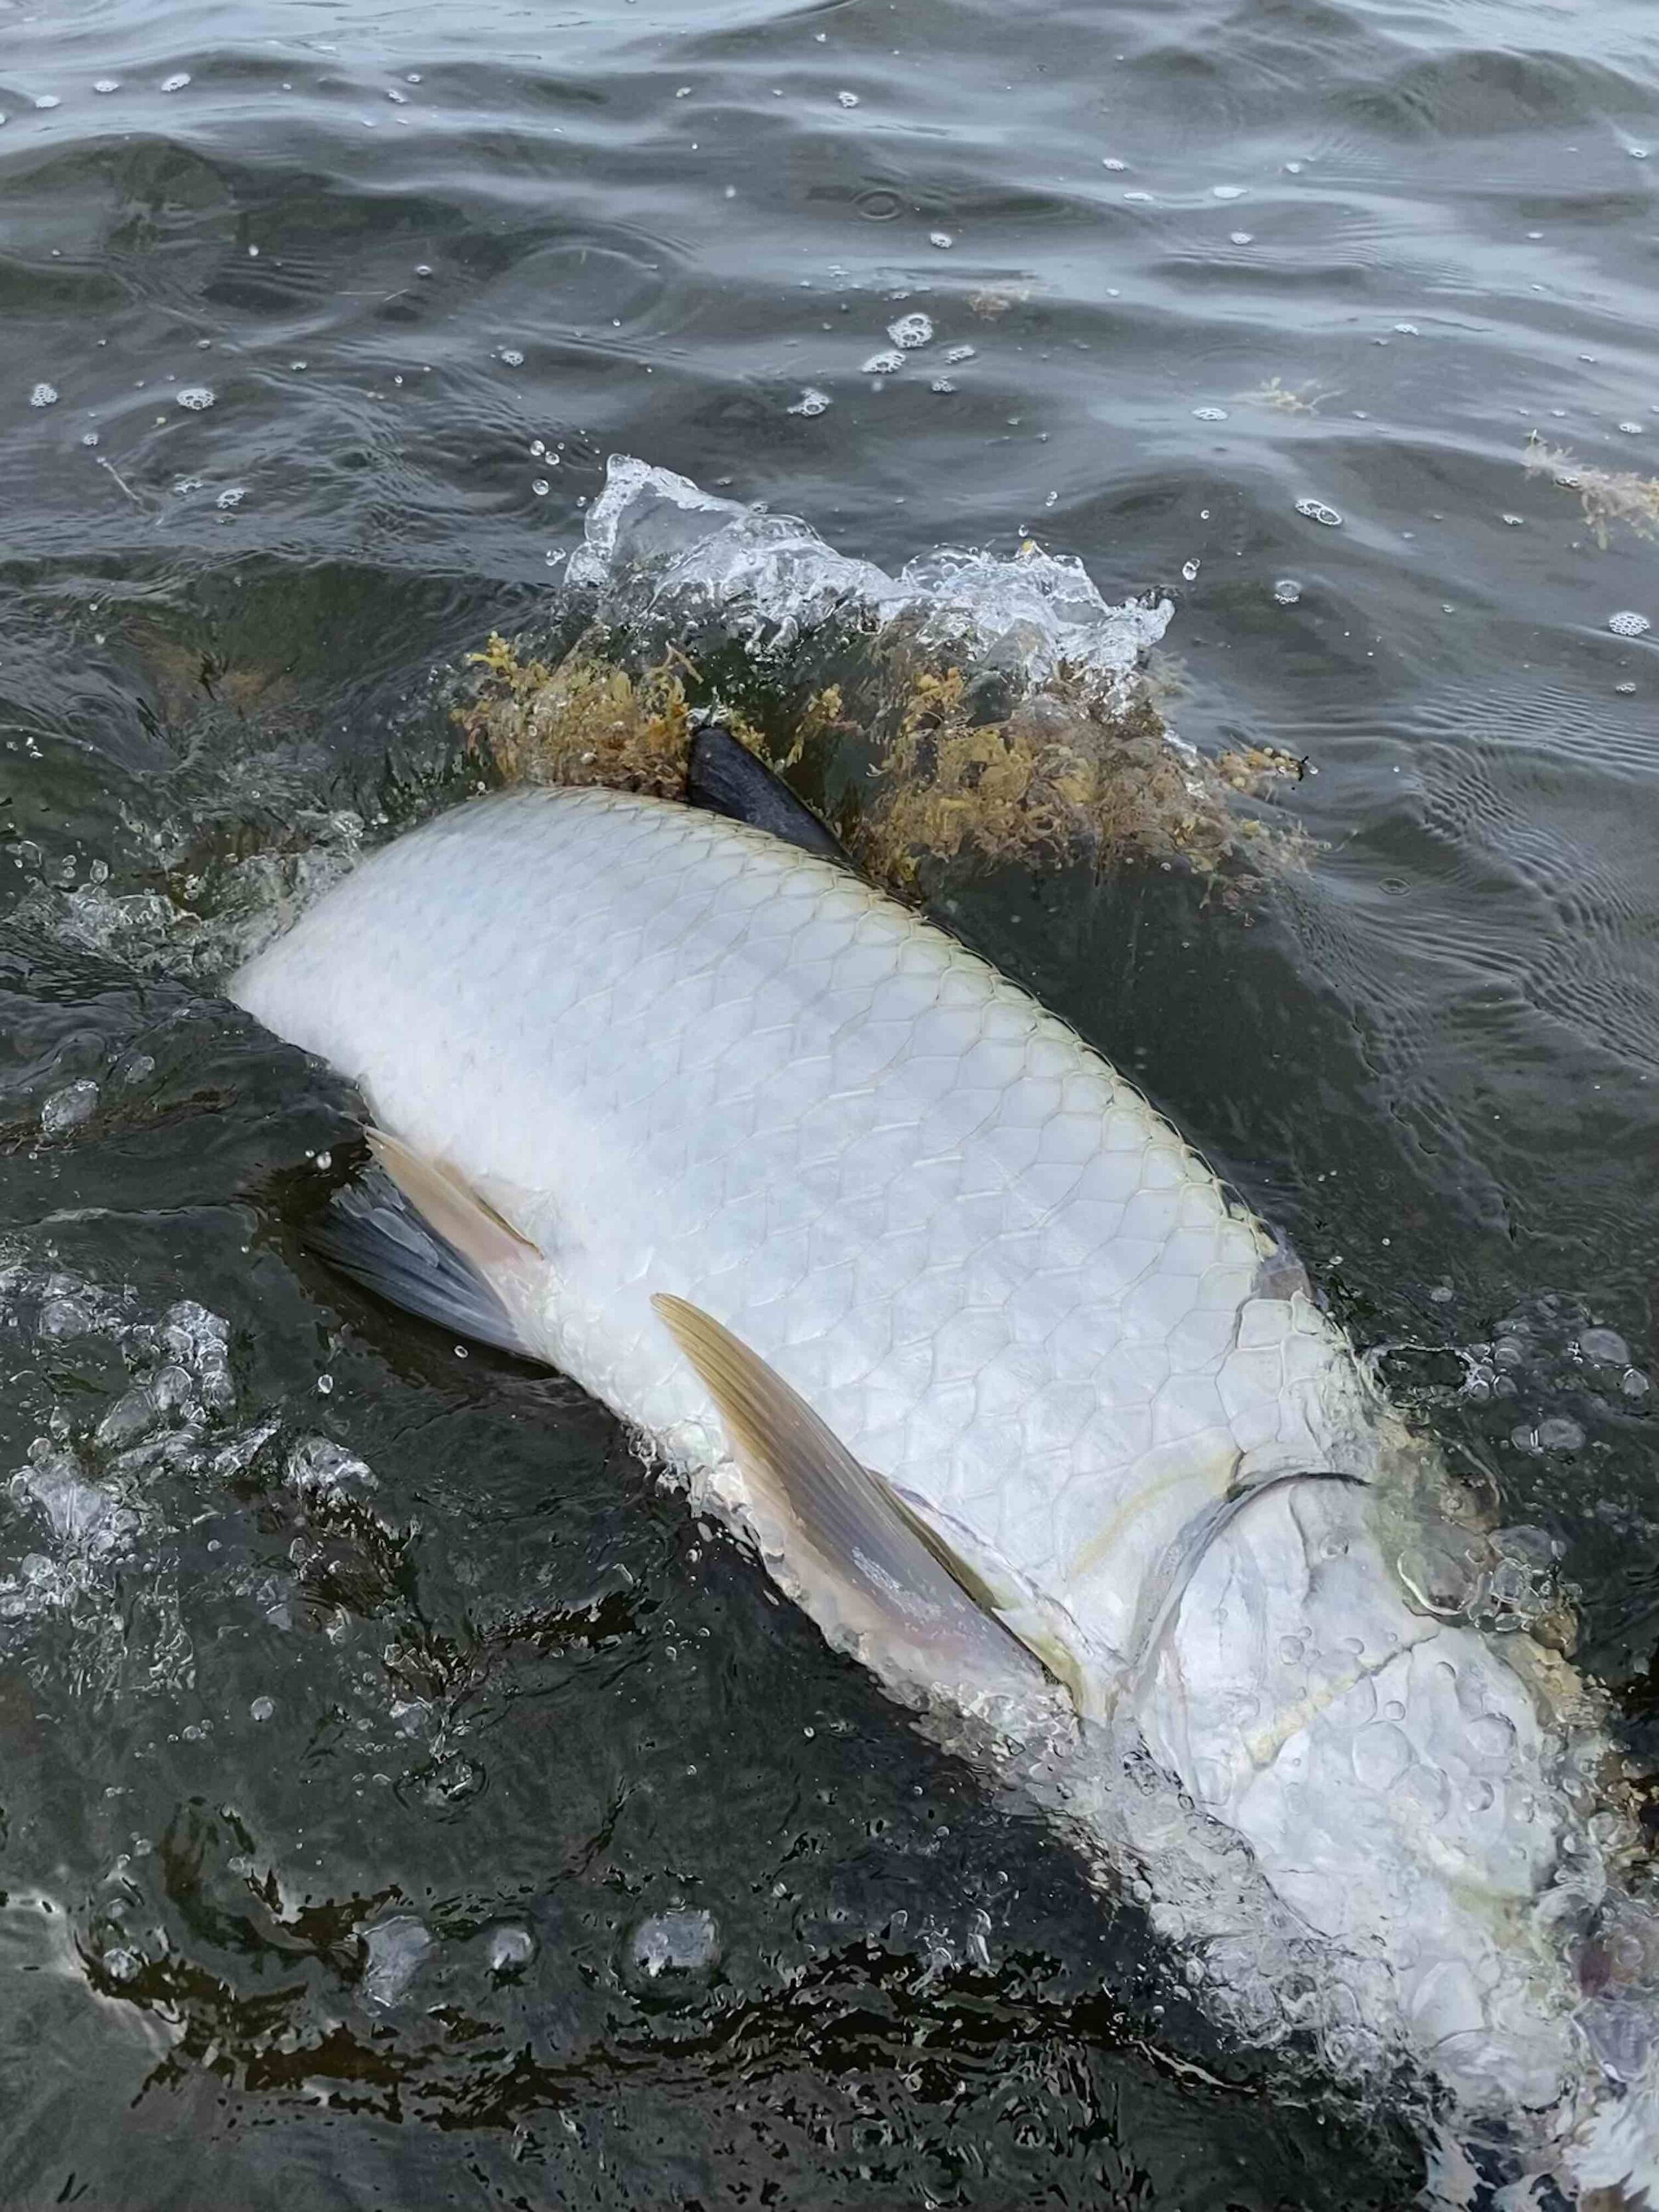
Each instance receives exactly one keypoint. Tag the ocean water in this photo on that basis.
(405, 1802)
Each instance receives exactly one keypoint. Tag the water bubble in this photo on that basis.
(1316, 511)
(511, 1950)
(1560, 1433)
(1227, 192)
(176, 82)
(1110, 161)
(942, 239)
(1209, 414)
(44, 395)
(1408, 330)
(1625, 690)
(446, 1786)
(134, 1414)
(910, 331)
(1629, 624)
(1490, 1739)
(395, 1950)
(883, 364)
(942, 384)
(1605, 1344)
(672, 1952)
(682, 92)
(512, 356)
(1241, 237)
(1189, 572)
(1287, 591)
(196, 397)
(231, 498)
(1514, 521)
(397, 99)
(1631, 429)
(954, 353)
(541, 487)
(811, 402)
(848, 98)
(319, 1468)
(262, 1708)
(106, 84)
(422, 268)
(68, 1108)
(1382, 1754)
(48, 100)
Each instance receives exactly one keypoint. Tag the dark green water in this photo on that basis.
(327, 1656)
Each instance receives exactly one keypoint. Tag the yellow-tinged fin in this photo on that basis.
(452, 1207)
(1091, 1675)
(419, 1236)
(857, 1556)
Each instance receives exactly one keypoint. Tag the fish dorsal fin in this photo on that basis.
(723, 776)
(854, 1558)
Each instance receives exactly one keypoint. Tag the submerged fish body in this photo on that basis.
(662, 1056)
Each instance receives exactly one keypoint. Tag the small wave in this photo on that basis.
(653, 538)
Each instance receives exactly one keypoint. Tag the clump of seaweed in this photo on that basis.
(1063, 778)
(1285, 398)
(583, 720)
(1606, 495)
(936, 769)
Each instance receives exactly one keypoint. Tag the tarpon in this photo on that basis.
(1028, 1412)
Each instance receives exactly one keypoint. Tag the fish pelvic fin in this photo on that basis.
(455, 1210)
(419, 1235)
(853, 1556)
(1090, 1673)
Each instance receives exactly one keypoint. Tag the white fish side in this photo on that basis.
(680, 1057)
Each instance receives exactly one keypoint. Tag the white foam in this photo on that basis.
(656, 541)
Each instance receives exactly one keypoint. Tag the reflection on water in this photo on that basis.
(373, 1721)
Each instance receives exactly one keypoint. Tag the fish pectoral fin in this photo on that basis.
(421, 1238)
(851, 1555)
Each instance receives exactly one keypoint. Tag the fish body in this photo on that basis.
(673, 1059)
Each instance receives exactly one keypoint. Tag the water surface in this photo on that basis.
(361, 1700)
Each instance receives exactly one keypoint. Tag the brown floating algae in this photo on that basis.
(1063, 777)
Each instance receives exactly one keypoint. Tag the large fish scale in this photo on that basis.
(680, 1056)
